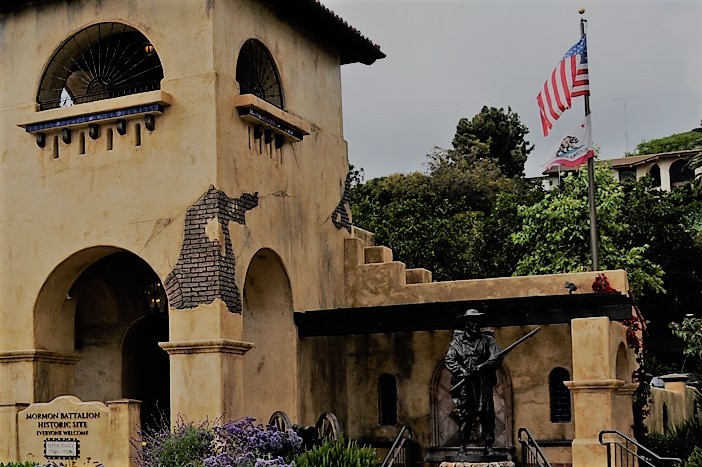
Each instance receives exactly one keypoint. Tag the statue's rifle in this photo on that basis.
(501, 354)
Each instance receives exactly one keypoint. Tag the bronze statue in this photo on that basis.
(472, 359)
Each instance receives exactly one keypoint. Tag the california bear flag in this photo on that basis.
(575, 148)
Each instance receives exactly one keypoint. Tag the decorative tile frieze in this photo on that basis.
(101, 117)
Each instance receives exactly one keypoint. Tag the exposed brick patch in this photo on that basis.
(341, 217)
(205, 270)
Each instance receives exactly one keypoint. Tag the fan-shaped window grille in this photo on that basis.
(102, 61)
(257, 74)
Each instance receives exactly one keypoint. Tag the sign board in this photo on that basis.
(65, 428)
(61, 448)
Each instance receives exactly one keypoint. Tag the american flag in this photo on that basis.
(569, 79)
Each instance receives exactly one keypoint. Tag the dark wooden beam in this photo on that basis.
(552, 309)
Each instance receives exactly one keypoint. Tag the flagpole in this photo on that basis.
(594, 249)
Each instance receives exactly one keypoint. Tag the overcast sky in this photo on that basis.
(446, 59)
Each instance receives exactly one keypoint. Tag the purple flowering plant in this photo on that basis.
(243, 443)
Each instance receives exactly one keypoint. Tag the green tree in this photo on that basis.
(423, 228)
(438, 219)
(675, 142)
(497, 135)
(555, 233)
(690, 332)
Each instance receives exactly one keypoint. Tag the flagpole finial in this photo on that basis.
(581, 11)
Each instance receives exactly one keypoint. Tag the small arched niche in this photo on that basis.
(257, 74)
(101, 61)
(444, 427)
(623, 366)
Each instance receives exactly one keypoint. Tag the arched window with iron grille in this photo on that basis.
(257, 74)
(559, 395)
(387, 400)
(102, 61)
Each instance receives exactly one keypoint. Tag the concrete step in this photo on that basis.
(377, 254)
(418, 276)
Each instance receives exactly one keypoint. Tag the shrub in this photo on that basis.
(239, 443)
(680, 442)
(187, 445)
(339, 453)
(242, 443)
(695, 459)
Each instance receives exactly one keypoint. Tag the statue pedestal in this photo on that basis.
(478, 464)
(486, 462)
(481, 463)
(476, 458)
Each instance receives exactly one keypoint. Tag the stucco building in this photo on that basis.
(667, 170)
(175, 230)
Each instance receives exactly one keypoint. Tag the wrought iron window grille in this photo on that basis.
(102, 61)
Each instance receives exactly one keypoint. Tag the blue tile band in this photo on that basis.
(92, 118)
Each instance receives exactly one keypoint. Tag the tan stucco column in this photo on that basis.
(206, 363)
(9, 441)
(600, 400)
(593, 412)
(123, 425)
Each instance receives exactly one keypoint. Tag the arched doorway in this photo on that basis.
(145, 368)
(270, 368)
(112, 311)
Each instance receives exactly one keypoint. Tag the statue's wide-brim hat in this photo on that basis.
(471, 315)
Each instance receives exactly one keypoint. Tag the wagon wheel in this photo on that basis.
(328, 426)
(280, 420)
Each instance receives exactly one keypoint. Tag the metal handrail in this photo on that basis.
(397, 446)
(531, 452)
(626, 452)
(98, 95)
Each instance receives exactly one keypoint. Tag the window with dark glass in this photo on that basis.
(560, 395)
(627, 174)
(387, 400)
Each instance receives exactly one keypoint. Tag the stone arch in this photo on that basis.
(268, 324)
(623, 369)
(84, 310)
(100, 61)
(444, 428)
